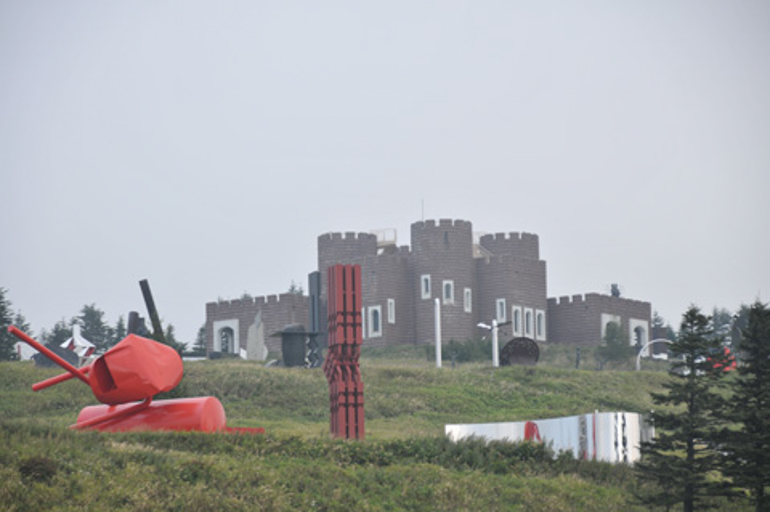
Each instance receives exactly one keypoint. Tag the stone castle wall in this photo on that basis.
(578, 319)
(443, 250)
(278, 311)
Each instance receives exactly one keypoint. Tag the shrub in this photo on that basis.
(37, 469)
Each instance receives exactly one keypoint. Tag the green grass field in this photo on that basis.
(405, 463)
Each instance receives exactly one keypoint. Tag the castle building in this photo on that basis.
(476, 280)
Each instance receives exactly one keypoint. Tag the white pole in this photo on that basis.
(495, 349)
(437, 322)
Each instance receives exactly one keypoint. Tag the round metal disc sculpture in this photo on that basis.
(523, 351)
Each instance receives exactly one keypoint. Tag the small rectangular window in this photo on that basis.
(425, 286)
(529, 321)
(448, 292)
(502, 311)
(375, 321)
(516, 320)
(540, 324)
(467, 300)
(391, 311)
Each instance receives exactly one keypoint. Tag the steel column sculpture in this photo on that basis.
(346, 389)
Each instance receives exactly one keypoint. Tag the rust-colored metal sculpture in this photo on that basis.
(125, 379)
(346, 389)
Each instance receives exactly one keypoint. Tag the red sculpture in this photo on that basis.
(346, 389)
(135, 370)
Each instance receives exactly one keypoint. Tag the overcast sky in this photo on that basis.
(204, 146)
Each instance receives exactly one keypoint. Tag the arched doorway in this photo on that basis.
(226, 340)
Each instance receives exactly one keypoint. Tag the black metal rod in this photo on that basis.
(156, 327)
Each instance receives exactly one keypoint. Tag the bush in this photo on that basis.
(37, 469)
(471, 350)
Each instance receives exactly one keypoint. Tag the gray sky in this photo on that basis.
(205, 145)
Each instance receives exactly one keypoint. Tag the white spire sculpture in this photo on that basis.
(78, 344)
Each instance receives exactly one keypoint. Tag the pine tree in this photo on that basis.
(615, 347)
(683, 454)
(747, 450)
(171, 341)
(94, 328)
(7, 340)
(119, 331)
(199, 349)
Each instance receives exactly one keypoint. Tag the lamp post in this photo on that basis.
(495, 345)
(641, 350)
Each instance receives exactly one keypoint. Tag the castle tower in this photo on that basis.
(349, 248)
(512, 284)
(443, 268)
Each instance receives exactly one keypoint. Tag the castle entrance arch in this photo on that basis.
(226, 340)
(226, 336)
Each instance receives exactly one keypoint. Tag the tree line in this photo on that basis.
(712, 436)
(93, 327)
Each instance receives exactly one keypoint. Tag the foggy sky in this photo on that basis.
(205, 145)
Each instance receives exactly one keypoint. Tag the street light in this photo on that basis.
(639, 356)
(495, 351)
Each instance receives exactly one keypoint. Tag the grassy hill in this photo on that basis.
(404, 464)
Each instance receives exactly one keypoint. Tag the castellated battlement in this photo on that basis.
(347, 236)
(251, 302)
(344, 248)
(566, 299)
(592, 298)
(498, 260)
(442, 223)
(520, 245)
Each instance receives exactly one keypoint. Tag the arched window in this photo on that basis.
(517, 321)
(502, 310)
(449, 292)
(226, 340)
(375, 320)
(425, 286)
(528, 323)
(640, 336)
(540, 326)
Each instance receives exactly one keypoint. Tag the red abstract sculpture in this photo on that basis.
(346, 389)
(135, 370)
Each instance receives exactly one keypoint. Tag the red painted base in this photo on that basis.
(203, 414)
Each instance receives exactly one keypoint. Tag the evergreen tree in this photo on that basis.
(740, 323)
(21, 323)
(747, 450)
(94, 328)
(722, 321)
(61, 332)
(199, 349)
(682, 455)
(119, 332)
(7, 340)
(615, 346)
(170, 339)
